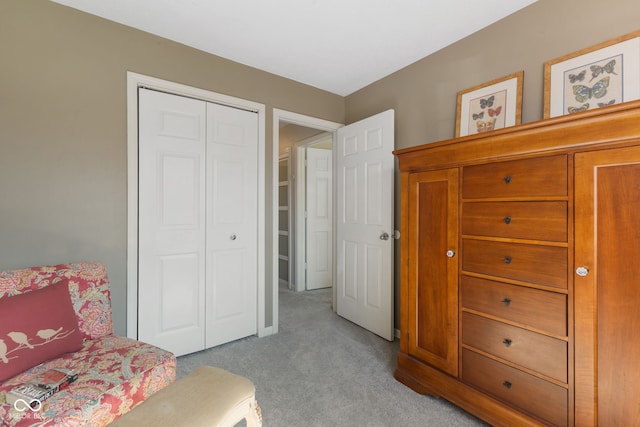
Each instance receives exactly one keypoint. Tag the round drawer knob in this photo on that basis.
(582, 271)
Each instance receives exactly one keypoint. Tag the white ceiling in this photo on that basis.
(336, 45)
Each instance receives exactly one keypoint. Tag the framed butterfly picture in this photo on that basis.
(596, 77)
(493, 105)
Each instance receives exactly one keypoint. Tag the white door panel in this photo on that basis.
(232, 224)
(365, 166)
(319, 219)
(171, 222)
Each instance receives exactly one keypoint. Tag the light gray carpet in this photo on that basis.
(321, 370)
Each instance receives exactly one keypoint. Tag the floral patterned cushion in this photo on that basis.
(88, 287)
(36, 326)
(114, 375)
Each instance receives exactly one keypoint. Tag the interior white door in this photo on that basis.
(364, 223)
(319, 218)
(232, 224)
(171, 268)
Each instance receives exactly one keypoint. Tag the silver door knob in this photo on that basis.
(384, 236)
(232, 237)
(582, 271)
(451, 253)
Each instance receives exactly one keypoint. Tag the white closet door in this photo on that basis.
(232, 218)
(171, 222)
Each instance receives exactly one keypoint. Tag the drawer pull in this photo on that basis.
(506, 302)
(507, 179)
(507, 384)
(507, 342)
(507, 260)
(507, 220)
(582, 271)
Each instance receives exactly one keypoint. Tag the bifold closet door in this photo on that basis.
(197, 222)
(171, 209)
(232, 224)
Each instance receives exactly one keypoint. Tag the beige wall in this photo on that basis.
(290, 134)
(63, 141)
(424, 94)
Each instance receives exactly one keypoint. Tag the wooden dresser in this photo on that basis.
(520, 270)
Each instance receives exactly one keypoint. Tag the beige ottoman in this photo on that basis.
(206, 397)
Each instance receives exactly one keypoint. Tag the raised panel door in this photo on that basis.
(232, 224)
(433, 268)
(607, 198)
(171, 270)
(364, 223)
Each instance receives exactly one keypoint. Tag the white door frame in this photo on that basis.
(134, 81)
(301, 120)
(300, 200)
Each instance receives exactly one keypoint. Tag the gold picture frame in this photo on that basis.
(493, 105)
(601, 75)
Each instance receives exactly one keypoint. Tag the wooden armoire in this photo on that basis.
(520, 270)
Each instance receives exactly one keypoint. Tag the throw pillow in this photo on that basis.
(36, 326)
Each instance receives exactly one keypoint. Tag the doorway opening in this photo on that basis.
(294, 135)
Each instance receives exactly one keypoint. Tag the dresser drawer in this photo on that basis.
(519, 220)
(538, 397)
(538, 177)
(535, 308)
(531, 350)
(543, 265)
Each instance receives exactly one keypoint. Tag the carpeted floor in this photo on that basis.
(321, 370)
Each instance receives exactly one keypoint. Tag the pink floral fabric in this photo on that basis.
(114, 373)
(88, 287)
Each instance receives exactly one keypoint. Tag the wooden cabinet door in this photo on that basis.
(607, 299)
(433, 268)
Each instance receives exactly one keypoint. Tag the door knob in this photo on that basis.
(384, 236)
(582, 271)
(451, 253)
(232, 237)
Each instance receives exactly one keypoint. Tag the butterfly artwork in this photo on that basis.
(485, 112)
(482, 126)
(608, 68)
(494, 112)
(577, 77)
(598, 90)
(573, 110)
(484, 103)
(604, 104)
